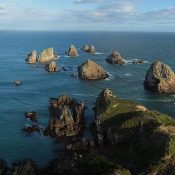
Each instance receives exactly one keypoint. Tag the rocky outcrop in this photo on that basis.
(89, 70)
(51, 67)
(115, 58)
(47, 55)
(67, 117)
(32, 57)
(143, 139)
(72, 51)
(24, 168)
(89, 49)
(160, 78)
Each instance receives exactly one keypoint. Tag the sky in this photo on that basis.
(88, 15)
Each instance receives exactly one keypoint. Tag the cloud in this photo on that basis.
(2, 10)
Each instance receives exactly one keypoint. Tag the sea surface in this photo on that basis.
(38, 85)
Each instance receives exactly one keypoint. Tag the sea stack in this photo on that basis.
(51, 67)
(89, 49)
(67, 117)
(47, 55)
(89, 70)
(115, 58)
(32, 57)
(160, 78)
(72, 51)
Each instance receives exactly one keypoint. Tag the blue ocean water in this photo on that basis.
(38, 86)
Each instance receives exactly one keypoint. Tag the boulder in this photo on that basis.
(89, 70)
(89, 49)
(160, 78)
(32, 57)
(67, 117)
(47, 55)
(138, 61)
(72, 51)
(51, 67)
(115, 58)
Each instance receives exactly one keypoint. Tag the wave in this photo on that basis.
(99, 53)
(128, 74)
(135, 61)
(67, 56)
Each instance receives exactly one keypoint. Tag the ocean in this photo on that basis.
(38, 86)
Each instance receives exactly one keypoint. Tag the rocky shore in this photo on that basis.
(129, 139)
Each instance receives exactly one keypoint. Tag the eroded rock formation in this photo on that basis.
(51, 67)
(32, 57)
(89, 49)
(47, 55)
(72, 51)
(89, 70)
(67, 117)
(115, 58)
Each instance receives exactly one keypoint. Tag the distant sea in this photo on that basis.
(38, 85)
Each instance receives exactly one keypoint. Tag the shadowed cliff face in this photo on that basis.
(138, 138)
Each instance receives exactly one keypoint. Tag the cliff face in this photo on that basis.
(160, 78)
(143, 140)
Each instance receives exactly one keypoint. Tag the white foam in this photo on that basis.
(128, 74)
(99, 53)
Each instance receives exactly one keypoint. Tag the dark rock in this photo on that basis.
(26, 167)
(160, 78)
(31, 115)
(3, 167)
(67, 117)
(139, 61)
(51, 67)
(32, 57)
(89, 70)
(32, 128)
(115, 58)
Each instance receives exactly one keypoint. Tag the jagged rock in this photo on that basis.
(72, 51)
(89, 49)
(26, 167)
(139, 61)
(160, 78)
(17, 82)
(32, 57)
(47, 55)
(115, 58)
(51, 67)
(89, 70)
(67, 117)
(31, 115)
